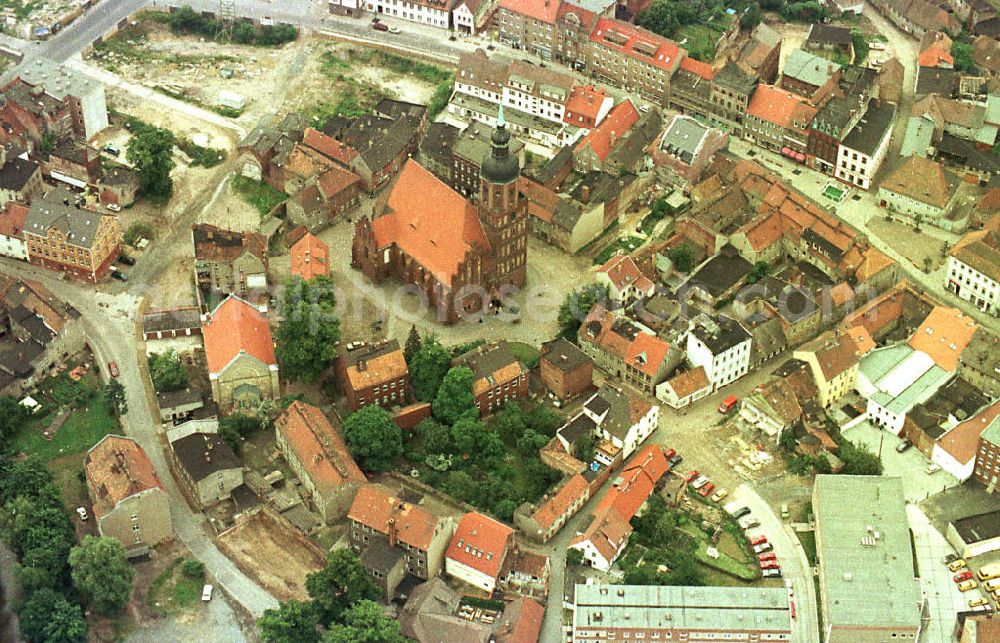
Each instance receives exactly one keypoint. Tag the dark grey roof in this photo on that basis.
(202, 454)
(721, 272)
(821, 34)
(438, 142)
(564, 355)
(974, 529)
(175, 319)
(719, 333)
(15, 174)
(377, 139)
(958, 150)
(788, 367)
(381, 556)
(868, 133)
(120, 176)
(618, 420)
(474, 143)
(934, 80)
(486, 359)
(369, 351)
(183, 397)
(733, 78)
(631, 151)
(557, 163)
(56, 210)
(392, 108)
(17, 358)
(34, 324)
(767, 338)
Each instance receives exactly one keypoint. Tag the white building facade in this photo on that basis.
(722, 348)
(973, 286)
(864, 148)
(435, 14)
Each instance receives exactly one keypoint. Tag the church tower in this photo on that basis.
(503, 212)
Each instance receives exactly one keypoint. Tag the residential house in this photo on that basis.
(424, 12)
(974, 269)
(267, 146)
(842, 110)
(436, 147)
(12, 219)
(171, 323)
(207, 466)
(761, 54)
(228, 262)
(963, 450)
(917, 17)
(587, 106)
(731, 89)
(310, 257)
(773, 409)
(691, 88)
(603, 540)
(987, 469)
(477, 551)
(830, 38)
(543, 521)
(920, 189)
(593, 150)
(317, 453)
(685, 388)
(624, 280)
(935, 51)
(119, 186)
(77, 241)
(75, 163)
(633, 59)
(239, 353)
(20, 180)
(986, 53)
(833, 361)
(179, 406)
(890, 81)
(551, 29)
(779, 121)
(373, 373)
(864, 148)
(376, 515)
(625, 349)
(685, 149)
(565, 369)
(129, 501)
(82, 96)
(472, 16)
(805, 73)
(498, 376)
(721, 346)
(525, 573)
(978, 363)
(718, 278)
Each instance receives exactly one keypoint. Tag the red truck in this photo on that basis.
(728, 404)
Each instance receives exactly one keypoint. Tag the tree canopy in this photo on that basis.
(101, 574)
(576, 305)
(342, 583)
(373, 438)
(308, 335)
(365, 622)
(12, 417)
(413, 343)
(46, 615)
(151, 152)
(454, 398)
(167, 372)
(427, 369)
(290, 622)
(682, 256)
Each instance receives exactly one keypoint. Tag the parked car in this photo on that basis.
(126, 259)
(768, 555)
(380, 26)
(742, 511)
(761, 548)
(691, 475)
(669, 453)
(719, 495)
(950, 558)
(962, 576)
(976, 602)
(748, 522)
(82, 512)
(707, 489)
(206, 593)
(932, 468)
(394, 29)
(770, 564)
(112, 150)
(118, 274)
(903, 446)
(699, 482)
(759, 540)
(114, 207)
(956, 565)
(771, 573)
(675, 461)
(967, 585)
(113, 369)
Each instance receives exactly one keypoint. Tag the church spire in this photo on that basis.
(499, 166)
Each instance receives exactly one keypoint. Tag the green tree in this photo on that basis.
(194, 569)
(291, 622)
(685, 572)
(365, 622)
(373, 438)
(46, 615)
(342, 583)
(24, 478)
(101, 574)
(310, 330)
(461, 485)
(468, 434)
(150, 151)
(682, 257)
(759, 270)
(660, 18)
(435, 436)
(114, 396)
(858, 461)
(237, 427)
(787, 440)
(412, 345)
(167, 372)
(12, 417)
(583, 450)
(962, 53)
(574, 556)
(543, 420)
(509, 422)
(454, 398)
(751, 17)
(577, 304)
(860, 43)
(428, 368)
(244, 33)
(530, 443)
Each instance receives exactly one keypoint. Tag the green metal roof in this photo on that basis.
(992, 432)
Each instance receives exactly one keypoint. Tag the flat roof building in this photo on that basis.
(868, 592)
(975, 535)
(604, 612)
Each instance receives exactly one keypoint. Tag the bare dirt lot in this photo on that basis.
(273, 553)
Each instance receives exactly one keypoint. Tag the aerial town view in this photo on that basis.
(499, 321)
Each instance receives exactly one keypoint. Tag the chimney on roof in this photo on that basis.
(393, 535)
(585, 194)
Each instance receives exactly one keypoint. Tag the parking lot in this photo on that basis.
(910, 465)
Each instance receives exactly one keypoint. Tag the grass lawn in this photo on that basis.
(808, 540)
(172, 591)
(628, 244)
(701, 40)
(725, 562)
(84, 428)
(527, 353)
(66, 471)
(258, 194)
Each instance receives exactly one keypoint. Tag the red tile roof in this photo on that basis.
(328, 146)
(310, 257)
(962, 442)
(607, 532)
(541, 10)
(623, 272)
(636, 482)
(637, 42)
(236, 327)
(374, 506)
(697, 67)
(319, 447)
(430, 222)
(521, 622)
(689, 381)
(335, 180)
(612, 129)
(480, 543)
(647, 353)
(862, 339)
(774, 105)
(584, 102)
(934, 57)
(117, 468)
(944, 335)
(12, 220)
(575, 488)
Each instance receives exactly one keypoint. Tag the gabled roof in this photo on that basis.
(697, 67)
(689, 382)
(547, 514)
(603, 138)
(319, 447)
(943, 335)
(808, 68)
(623, 272)
(480, 543)
(202, 454)
(491, 364)
(12, 220)
(862, 339)
(117, 468)
(783, 108)
(375, 507)
(980, 251)
(834, 353)
(56, 210)
(310, 257)
(647, 353)
(212, 243)
(585, 101)
(521, 622)
(637, 42)
(636, 482)
(373, 363)
(430, 222)
(822, 34)
(608, 532)
(962, 441)
(541, 10)
(236, 327)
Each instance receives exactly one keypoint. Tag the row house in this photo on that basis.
(761, 54)
(565, 370)
(918, 17)
(373, 373)
(974, 268)
(779, 121)
(477, 551)
(470, 147)
(617, 419)
(691, 88)
(987, 469)
(62, 235)
(267, 145)
(472, 16)
(207, 466)
(721, 346)
(20, 180)
(844, 108)
(434, 13)
(551, 29)
(865, 147)
(228, 262)
(498, 375)
(806, 74)
(685, 149)
(543, 521)
(633, 59)
(833, 360)
(920, 189)
(963, 449)
(729, 98)
(12, 243)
